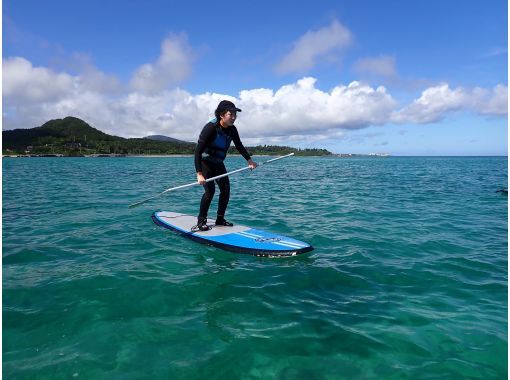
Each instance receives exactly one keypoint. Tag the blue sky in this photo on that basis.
(403, 77)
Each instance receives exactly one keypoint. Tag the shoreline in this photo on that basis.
(128, 155)
(340, 156)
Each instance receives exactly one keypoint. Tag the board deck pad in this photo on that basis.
(238, 238)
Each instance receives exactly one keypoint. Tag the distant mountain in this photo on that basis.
(74, 137)
(165, 138)
(67, 130)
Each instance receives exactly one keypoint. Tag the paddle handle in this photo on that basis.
(207, 180)
(225, 175)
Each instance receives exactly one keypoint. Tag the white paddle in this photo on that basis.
(207, 180)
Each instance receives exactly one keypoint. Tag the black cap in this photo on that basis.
(226, 105)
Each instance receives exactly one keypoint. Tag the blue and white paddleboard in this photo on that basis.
(241, 239)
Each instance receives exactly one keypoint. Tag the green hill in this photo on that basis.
(164, 138)
(59, 130)
(74, 137)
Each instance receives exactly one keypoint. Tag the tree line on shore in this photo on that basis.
(74, 137)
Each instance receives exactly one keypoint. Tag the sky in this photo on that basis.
(399, 77)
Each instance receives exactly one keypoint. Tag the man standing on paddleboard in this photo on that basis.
(214, 141)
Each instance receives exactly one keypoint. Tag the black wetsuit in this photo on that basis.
(215, 140)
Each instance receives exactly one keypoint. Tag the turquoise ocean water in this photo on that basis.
(408, 279)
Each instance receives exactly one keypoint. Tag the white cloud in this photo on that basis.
(489, 102)
(22, 82)
(295, 112)
(383, 66)
(25, 83)
(300, 108)
(91, 79)
(435, 103)
(314, 45)
(172, 66)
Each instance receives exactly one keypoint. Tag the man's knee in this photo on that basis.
(209, 190)
(225, 188)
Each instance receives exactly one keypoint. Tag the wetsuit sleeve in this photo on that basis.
(239, 145)
(204, 139)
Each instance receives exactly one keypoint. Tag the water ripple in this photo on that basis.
(408, 275)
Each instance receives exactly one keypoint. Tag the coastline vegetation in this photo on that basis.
(73, 137)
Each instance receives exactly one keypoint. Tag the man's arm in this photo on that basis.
(240, 147)
(205, 137)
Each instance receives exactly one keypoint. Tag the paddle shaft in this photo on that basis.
(207, 180)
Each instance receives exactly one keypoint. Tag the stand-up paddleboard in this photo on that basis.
(241, 239)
